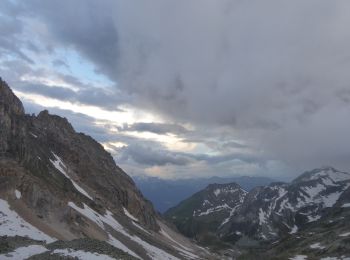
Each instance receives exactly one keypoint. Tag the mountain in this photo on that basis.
(267, 214)
(325, 239)
(165, 194)
(62, 195)
(202, 214)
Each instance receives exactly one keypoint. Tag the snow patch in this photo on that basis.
(285, 205)
(153, 252)
(11, 224)
(313, 191)
(35, 136)
(81, 254)
(206, 202)
(345, 234)
(331, 199)
(186, 254)
(139, 227)
(100, 220)
(24, 252)
(334, 176)
(185, 251)
(281, 193)
(127, 213)
(116, 243)
(262, 217)
(317, 246)
(346, 205)
(313, 218)
(299, 257)
(18, 194)
(294, 230)
(164, 233)
(59, 165)
(215, 209)
(229, 217)
(217, 192)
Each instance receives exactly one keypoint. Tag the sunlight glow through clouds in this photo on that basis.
(49, 82)
(171, 141)
(128, 115)
(110, 146)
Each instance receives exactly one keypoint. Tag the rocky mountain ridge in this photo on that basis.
(202, 213)
(166, 194)
(270, 213)
(56, 184)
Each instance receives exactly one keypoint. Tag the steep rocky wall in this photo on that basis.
(11, 110)
(32, 141)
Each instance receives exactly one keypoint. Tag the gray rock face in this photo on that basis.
(11, 110)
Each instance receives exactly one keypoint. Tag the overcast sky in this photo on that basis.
(180, 89)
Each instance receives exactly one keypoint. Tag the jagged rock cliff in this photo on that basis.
(63, 185)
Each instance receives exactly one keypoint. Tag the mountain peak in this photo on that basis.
(321, 173)
(328, 168)
(223, 185)
(54, 121)
(9, 103)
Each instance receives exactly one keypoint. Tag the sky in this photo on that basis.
(188, 89)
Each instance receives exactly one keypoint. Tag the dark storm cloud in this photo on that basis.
(11, 29)
(229, 62)
(72, 88)
(152, 157)
(85, 25)
(275, 72)
(60, 63)
(216, 159)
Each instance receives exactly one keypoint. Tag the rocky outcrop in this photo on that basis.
(11, 111)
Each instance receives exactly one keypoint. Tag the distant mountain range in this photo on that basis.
(277, 219)
(165, 194)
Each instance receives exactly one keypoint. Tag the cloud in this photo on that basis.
(88, 95)
(60, 63)
(157, 128)
(151, 157)
(11, 28)
(274, 74)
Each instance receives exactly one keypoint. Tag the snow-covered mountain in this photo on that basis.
(281, 208)
(166, 194)
(202, 213)
(266, 214)
(62, 195)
